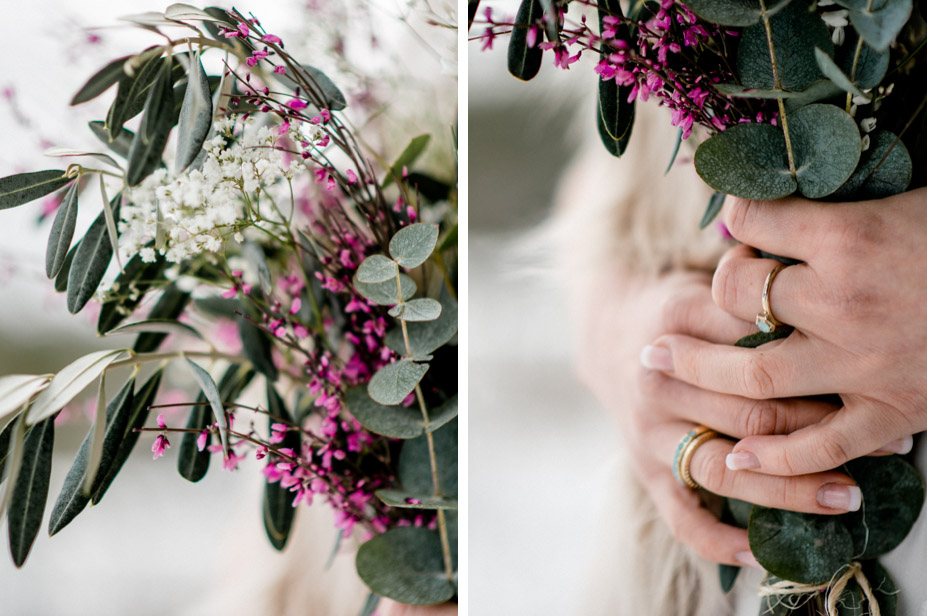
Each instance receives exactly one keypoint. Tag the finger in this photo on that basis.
(738, 283)
(695, 526)
(734, 416)
(787, 368)
(388, 607)
(695, 314)
(791, 227)
(852, 432)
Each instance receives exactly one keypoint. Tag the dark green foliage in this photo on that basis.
(30, 492)
(524, 61)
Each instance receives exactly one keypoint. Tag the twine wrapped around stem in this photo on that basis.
(834, 588)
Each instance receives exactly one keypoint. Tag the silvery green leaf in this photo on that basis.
(208, 386)
(411, 500)
(148, 18)
(734, 12)
(25, 187)
(156, 326)
(443, 414)
(27, 502)
(738, 91)
(195, 116)
(393, 382)
(97, 433)
(377, 268)
(120, 145)
(427, 336)
(58, 152)
(17, 389)
(90, 262)
(62, 232)
(148, 144)
(412, 245)
(333, 97)
(884, 169)
(254, 254)
(833, 72)
(182, 12)
(72, 380)
(415, 462)
(134, 281)
(394, 421)
(110, 218)
(423, 309)
(405, 564)
(101, 81)
(386, 293)
(14, 461)
(880, 27)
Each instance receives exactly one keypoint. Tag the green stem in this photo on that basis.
(856, 54)
(432, 456)
(777, 84)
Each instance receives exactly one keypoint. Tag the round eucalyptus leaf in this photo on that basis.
(883, 587)
(871, 66)
(746, 160)
(884, 170)
(393, 421)
(393, 382)
(819, 91)
(795, 34)
(377, 268)
(405, 564)
(826, 144)
(386, 293)
(893, 494)
(879, 27)
(412, 245)
(734, 12)
(799, 547)
(415, 464)
(834, 73)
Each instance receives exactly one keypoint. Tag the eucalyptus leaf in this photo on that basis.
(795, 34)
(822, 90)
(376, 268)
(130, 286)
(386, 293)
(136, 415)
(90, 262)
(409, 155)
(727, 575)
(62, 232)
(885, 169)
(871, 66)
(880, 27)
(893, 495)
(406, 565)
(423, 309)
(746, 160)
(168, 307)
(148, 144)
(72, 380)
(408, 500)
(760, 338)
(524, 62)
(195, 117)
(101, 81)
(208, 386)
(443, 415)
(120, 145)
(800, 547)
(734, 12)
(714, 208)
(25, 187)
(415, 463)
(427, 336)
(833, 72)
(826, 145)
(72, 499)
(393, 382)
(17, 389)
(393, 421)
(412, 245)
(30, 491)
(737, 91)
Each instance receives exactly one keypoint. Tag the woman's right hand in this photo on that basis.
(656, 411)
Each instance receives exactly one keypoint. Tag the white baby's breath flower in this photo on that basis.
(867, 124)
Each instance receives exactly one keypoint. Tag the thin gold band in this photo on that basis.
(686, 449)
(765, 320)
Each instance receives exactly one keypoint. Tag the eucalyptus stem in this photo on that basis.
(432, 457)
(856, 54)
(777, 84)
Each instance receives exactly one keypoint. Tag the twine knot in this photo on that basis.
(783, 589)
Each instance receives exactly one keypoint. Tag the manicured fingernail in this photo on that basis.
(902, 445)
(746, 558)
(657, 358)
(741, 460)
(840, 496)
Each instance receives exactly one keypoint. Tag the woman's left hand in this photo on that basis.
(859, 305)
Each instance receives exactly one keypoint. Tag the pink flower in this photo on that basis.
(352, 177)
(243, 28)
(323, 141)
(230, 293)
(296, 305)
(280, 70)
(251, 61)
(296, 104)
(283, 128)
(532, 37)
(488, 37)
(161, 443)
(201, 440)
(273, 39)
(161, 423)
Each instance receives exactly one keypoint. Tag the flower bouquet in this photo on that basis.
(335, 267)
(821, 99)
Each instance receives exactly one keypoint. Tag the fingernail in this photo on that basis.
(741, 460)
(902, 445)
(657, 358)
(840, 496)
(746, 558)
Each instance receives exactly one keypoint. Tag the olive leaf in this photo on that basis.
(70, 381)
(148, 143)
(90, 261)
(614, 114)
(195, 116)
(524, 61)
(30, 491)
(62, 232)
(101, 81)
(25, 187)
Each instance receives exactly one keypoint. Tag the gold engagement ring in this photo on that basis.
(765, 319)
(686, 449)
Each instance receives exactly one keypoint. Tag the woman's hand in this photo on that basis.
(656, 411)
(859, 306)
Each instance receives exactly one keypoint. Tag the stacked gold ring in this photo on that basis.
(686, 449)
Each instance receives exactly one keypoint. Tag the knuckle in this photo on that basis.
(857, 234)
(740, 214)
(709, 470)
(760, 417)
(756, 378)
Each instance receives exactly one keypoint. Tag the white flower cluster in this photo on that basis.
(197, 210)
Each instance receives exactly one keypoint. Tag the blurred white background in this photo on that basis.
(157, 544)
(540, 448)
